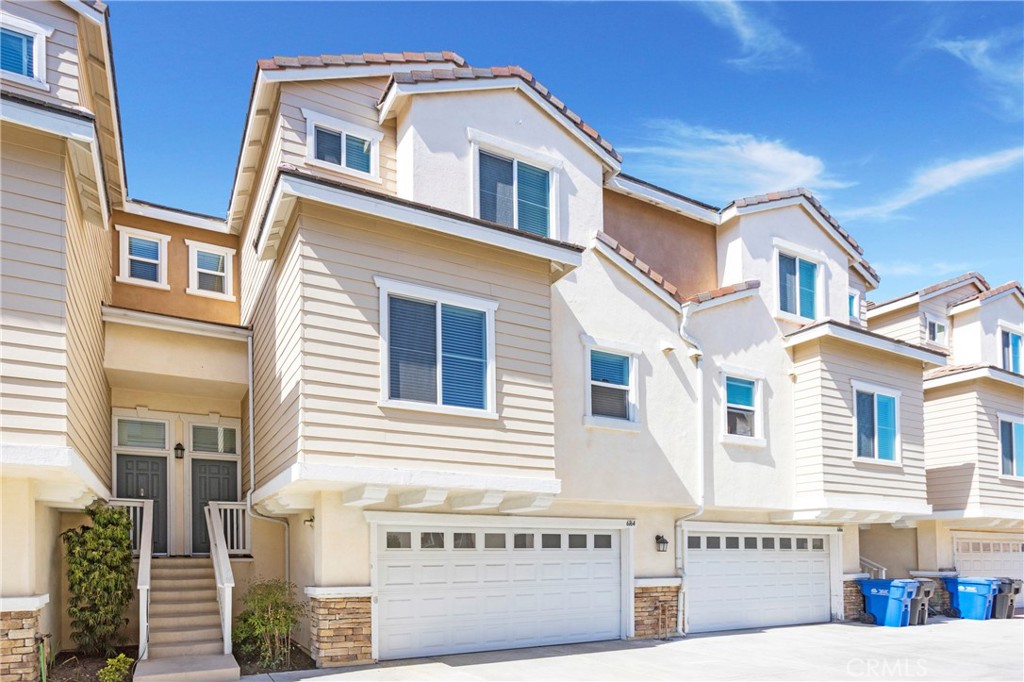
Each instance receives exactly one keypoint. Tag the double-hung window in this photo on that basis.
(610, 377)
(740, 407)
(1010, 343)
(143, 257)
(1011, 445)
(798, 286)
(439, 349)
(876, 415)
(342, 146)
(935, 330)
(23, 50)
(210, 270)
(514, 194)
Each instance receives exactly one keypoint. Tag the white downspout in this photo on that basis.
(252, 474)
(696, 353)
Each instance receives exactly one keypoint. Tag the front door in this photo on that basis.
(145, 478)
(213, 480)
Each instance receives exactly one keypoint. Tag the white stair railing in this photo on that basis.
(222, 571)
(235, 524)
(874, 569)
(141, 513)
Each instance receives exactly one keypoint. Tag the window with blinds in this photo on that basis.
(16, 53)
(514, 194)
(798, 283)
(216, 439)
(142, 433)
(876, 425)
(144, 259)
(343, 149)
(610, 385)
(437, 353)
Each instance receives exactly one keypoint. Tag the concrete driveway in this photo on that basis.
(942, 650)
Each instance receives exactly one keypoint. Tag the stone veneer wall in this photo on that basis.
(853, 600)
(341, 631)
(939, 603)
(654, 611)
(19, 652)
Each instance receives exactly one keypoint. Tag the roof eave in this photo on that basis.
(1002, 376)
(629, 187)
(832, 329)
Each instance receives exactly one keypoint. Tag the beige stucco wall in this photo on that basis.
(63, 63)
(894, 548)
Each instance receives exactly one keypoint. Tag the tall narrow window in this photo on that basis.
(876, 420)
(740, 406)
(463, 357)
(143, 257)
(609, 385)
(413, 350)
(514, 194)
(1011, 445)
(798, 282)
(1010, 343)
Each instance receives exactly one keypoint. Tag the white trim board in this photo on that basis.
(662, 199)
(1003, 376)
(826, 329)
(138, 318)
(171, 215)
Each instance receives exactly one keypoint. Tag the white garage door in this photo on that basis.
(750, 580)
(453, 590)
(990, 557)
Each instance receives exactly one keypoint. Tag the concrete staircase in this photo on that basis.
(185, 641)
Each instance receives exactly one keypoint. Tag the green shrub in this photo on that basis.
(264, 628)
(118, 669)
(100, 577)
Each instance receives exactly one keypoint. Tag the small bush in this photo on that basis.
(118, 669)
(264, 628)
(100, 577)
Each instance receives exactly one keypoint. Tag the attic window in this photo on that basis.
(342, 146)
(514, 194)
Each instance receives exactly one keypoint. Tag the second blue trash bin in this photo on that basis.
(971, 597)
(887, 602)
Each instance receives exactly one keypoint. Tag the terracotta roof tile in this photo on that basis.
(983, 295)
(960, 369)
(319, 61)
(938, 286)
(705, 296)
(641, 267)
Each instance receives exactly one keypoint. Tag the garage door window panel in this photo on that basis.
(431, 540)
(494, 541)
(602, 541)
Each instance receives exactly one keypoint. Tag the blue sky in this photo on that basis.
(904, 118)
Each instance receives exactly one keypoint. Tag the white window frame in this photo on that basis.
(39, 34)
(787, 248)
(194, 247)
(492, 144)
(758, 440)
(315, 119)
(1013, 419)
(124, 271)
(856, 318)
(590, 420)
(439, 297)
(930, 319)
(1004, 326)
(896, 395)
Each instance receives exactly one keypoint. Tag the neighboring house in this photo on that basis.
(974, 430)
(494, 392)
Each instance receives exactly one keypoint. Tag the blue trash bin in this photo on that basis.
(971, 597)
(887, 602)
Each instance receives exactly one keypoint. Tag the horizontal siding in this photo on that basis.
(62, 52)
(807, 435)
(951, 446)
(89, 282)
(995, 399)
(904, 324)
(341, 254)
(351, 100)
(33, 378)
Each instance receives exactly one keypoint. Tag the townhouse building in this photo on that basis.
(460, 379)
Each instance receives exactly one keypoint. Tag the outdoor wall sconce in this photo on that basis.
(661, 542)
(309, 521)
(179, 451)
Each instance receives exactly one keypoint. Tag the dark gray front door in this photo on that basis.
(213, 480)
(145, 478)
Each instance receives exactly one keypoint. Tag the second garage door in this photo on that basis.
(993, 556)
(454, 590)
(749, 580)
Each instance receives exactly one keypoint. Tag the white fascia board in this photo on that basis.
(396, 518)
(915, 298)
(400, 90)
(327, 476)
(87, 11)
(173, 216)
(626, 186)
(47, 462)
(700, 306)
(627, 267)
(892, 306)
(259, 95)
(872, 280)
(977, 303)
(137, 318)
(320, 73)
(801, 201)
(862, 339)
(1015, 380)
(409, 215)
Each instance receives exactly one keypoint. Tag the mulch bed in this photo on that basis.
(72, 666)
(299, 661)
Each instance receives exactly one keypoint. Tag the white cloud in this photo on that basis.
(940, 178)
(934, 269)
(764, 46)
(997, 61)
(718, 165)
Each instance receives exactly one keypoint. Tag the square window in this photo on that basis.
(143, 257)
(936, 331)
(610, 385)
(713, 542)
(551, 541)
(818, 543)
(514, 194)
(210, 269)
(749, 543)
(740, 406)
(494, 541)
(767, 543)
(602, 541)
(693, 542)
(432, 540)
(732, 543)
(798, 286)
(801, 543)
(399, 540)
(785, 543)
(464, 540)
(577, 541)
(522, 541)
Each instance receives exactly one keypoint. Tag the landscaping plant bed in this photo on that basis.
(73, 666)
(299, 660)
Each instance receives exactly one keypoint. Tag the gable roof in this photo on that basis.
(928, 291)
(983, 296)
(364, 59)
(467, 74)
(653, 277)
